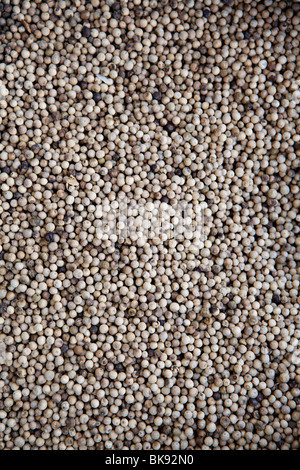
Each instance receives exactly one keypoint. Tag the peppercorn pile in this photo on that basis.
(109, 343)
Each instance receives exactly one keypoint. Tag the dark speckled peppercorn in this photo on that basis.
(86, 32)
(49, 237)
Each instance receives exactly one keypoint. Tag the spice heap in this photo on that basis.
(149, 344)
